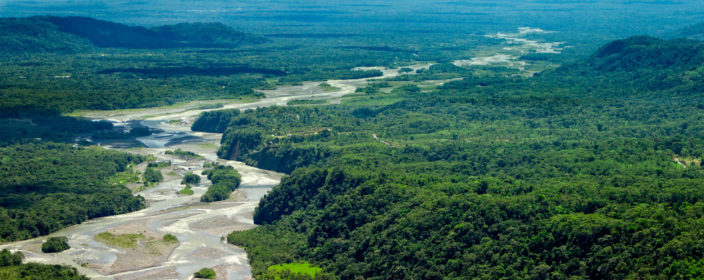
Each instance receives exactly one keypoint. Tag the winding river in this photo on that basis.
(200, 228)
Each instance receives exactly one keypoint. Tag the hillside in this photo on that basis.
(30, 35)
(561, 176)
(639, 64)
(75, 34)
(647, 53)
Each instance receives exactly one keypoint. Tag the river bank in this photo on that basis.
(199, 227)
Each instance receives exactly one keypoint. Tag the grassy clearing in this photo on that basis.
(137, 241)
(186, 190)
(127, 240)
(327, 87)
(125, 177)
(208, 146)
(295, 268)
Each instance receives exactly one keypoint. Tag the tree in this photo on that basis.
(207, 273)
(55, 244)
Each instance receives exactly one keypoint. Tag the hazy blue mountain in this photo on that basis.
(695, 32)
(74, 34)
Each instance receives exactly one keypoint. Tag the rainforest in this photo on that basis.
(327, 140)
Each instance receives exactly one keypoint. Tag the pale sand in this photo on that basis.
(150, 251)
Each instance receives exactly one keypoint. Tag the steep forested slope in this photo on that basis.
(573, 174)
(641, 64)
(29, 35)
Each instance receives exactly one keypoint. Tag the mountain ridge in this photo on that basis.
(77, 34)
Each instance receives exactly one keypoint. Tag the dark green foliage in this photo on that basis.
(30, 35)
(55, 244)
(191, 178)
(205, 273)
(302, 188)
(435, 72)
(46, 187)
(11, 268)
(183, 154)
(642, 65)
(27, 127)
(567, 175)
(66, 67)
(107, 34)
(225, 180)
(214, 121)
(10, 259)
(169, 238)
(152, 175)
(239, 142)
(159, 164)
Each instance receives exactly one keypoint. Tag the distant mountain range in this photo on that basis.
(695, 32)
(76, 34)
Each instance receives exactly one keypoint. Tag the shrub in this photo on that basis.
(55, 244)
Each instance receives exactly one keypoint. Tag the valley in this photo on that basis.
(337, 141)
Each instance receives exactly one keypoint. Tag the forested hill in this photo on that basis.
(573, 174)
(639, 64)
(74, 34)
(32, 35)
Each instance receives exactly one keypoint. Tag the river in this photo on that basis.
(199, 227)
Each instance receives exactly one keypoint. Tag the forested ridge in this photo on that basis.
(76, 34)
(589, 171)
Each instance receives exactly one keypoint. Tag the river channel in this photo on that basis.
(199, 227)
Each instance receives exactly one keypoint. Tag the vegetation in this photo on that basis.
(191, 178)
(327, 87)
(75, 34)
(46, 187)
(293, 271)
(570, 174)
(225, 180)
(307, 102)
(169, 238)
(126, 240)
(24, 127)
(159, 164)
(55, 244)
(83, 63)
(11, 267)
(187, 190)
(188, 155)
(205, 273)
(152, 175)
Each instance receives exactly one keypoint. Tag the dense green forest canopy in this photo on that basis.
(46, 187)
(11, 267)
(589, 171)
(63, 64)
(225, 179)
